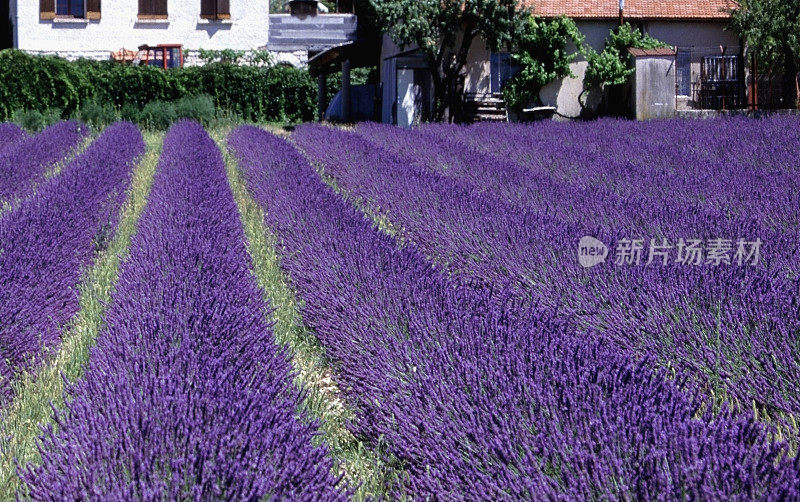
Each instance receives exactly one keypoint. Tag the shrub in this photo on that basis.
(158, 115)
(34, 120)
(130, 112)
(96, 114)
(256, 93)
(200, 108)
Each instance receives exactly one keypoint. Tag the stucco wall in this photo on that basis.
(687, 34)
(702, 38)
(478, 68)
(119, 27)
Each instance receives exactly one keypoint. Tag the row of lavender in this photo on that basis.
(476, 393)
(186, 395)
(24, 160)
(676, 161)
(48, 239)
(495, 219)
(10, 134)
(737, 326)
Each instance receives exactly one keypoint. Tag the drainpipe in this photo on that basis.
(346, 91)
(621, 12)
(321, 92)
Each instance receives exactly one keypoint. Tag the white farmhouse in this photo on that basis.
(95, 28)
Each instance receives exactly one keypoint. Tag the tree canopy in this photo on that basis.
(610, 67)
(543, 53)
(771, 29)
(444, 30)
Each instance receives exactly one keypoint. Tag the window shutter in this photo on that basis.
(208, 9)
(223, 9)
(92, 9)
(215, 9)
(47, 9)
(152, 9)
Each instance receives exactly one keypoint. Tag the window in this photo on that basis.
(215, 9)
(88, 9)
(69, 8)
(502, 69)
(152, 9)
(684, 72)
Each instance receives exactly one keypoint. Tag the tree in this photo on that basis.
(611, 67)
(443, 31)
(771, 29)
(542, 55)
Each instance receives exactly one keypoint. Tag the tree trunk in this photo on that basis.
(446, 68)
(439, 96)
(797, 90)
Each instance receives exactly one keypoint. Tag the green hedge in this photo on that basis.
(259, 94)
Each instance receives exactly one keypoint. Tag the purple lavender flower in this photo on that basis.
(49, 238)
(187, 395)
(24, 163)
(477, 391)
(10, 134)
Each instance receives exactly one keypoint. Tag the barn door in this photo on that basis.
(409, 98)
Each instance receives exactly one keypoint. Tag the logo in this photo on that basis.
(591, 252)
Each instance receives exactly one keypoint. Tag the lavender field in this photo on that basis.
(606, 310)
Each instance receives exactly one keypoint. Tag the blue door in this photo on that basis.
(502, 69)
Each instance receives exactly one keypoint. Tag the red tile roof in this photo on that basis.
(634, 9)
(666, 51)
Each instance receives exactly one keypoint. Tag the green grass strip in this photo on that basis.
(364, 470)
(31, 408)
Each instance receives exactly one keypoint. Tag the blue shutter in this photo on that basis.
(501, 69)
(684, 73)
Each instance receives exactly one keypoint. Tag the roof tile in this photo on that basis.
(634, 9)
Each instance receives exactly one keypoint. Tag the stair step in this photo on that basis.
(490, 118)
(486, 108)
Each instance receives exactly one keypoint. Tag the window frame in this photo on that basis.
(83, 15)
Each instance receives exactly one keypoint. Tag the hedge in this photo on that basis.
(258, 94)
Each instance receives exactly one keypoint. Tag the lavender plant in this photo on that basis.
(186, 395)
(10, 134)
(496, 220)
(24, 163)
(477, 391)
(47, 240)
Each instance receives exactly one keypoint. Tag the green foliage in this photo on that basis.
(96, 114)
(130, 112)
(260, 58)
(543, 54)
(158, 115)
(34, 120)
(611, 67)
(436, 26)
(772, 31)
(255, 93)
(199, 108)
(230, 56)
